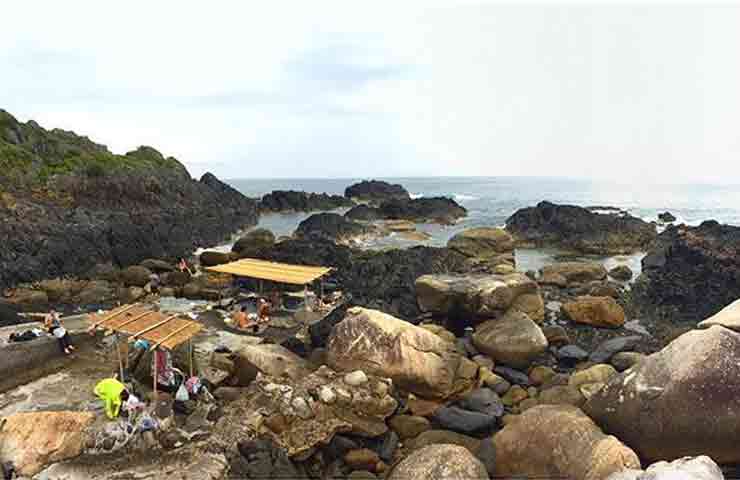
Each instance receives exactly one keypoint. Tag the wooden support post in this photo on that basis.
(190, 348)
(120, 362)
(305, 297)
(154, 375)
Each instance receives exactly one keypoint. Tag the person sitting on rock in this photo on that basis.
(113, 393)
(54, 325)
(240, 318)
(263, 311)
(183, 266)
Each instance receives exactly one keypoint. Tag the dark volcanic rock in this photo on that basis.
(72, 204)
(382, 280)
(330, 226)
(363, 213)
(578, 228)
(666, 217)
(419, 210)
(692, 272)
(294, 201)
(254, 240)
(260, 459)
(9, 315)
(376, 191)
(463, 421)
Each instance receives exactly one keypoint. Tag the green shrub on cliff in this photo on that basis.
(30, 153)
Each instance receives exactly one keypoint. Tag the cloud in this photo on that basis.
(333, 88)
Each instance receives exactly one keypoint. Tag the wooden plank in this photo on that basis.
(149, 329)
(112, 316)
(170, 336)
(131, 320)
(182, 337)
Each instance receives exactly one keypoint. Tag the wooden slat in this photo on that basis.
(156, 325)
(182, 337)
(113, 315)
(154, 347)
(137, 317)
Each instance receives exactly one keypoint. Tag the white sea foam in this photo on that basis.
(414, 196)
(461, 197)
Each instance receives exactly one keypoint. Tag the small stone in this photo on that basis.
(515, 395)
(532, 392)
(409, 426)
(572, 353)
(463, 421)
(600, 373)
(356, 378)
(302, 408)
(540, 374)
(327, 395)
(362, 459)
(512, 375)
(625, 360)
(484, 361)
(493, 381)
(527, 403)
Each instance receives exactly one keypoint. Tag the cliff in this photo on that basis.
(67, 203)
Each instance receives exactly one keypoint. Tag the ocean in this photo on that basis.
(491, 200)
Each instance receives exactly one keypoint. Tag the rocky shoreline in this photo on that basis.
(441, 362)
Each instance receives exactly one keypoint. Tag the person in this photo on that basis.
(263, 311)
(113, 393)
(154, 283)
(183, 266)
(54, 325)
(240, 317)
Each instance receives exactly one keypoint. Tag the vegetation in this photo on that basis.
(31, 153)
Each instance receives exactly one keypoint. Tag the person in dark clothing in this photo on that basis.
(55, 326)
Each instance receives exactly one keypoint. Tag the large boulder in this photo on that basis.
(728, 317)
(254, 240)
(415, 359)
(691, 272)
(442, 461)
(513, 339)
(431, 210)
(32, 440)
(136, 276)
(331, 226)
(211, 258)
(376, 191)
(303, 413)
(471, 295)
(580, 229)
(271, 359)
(681, 401)
(482, 242)
(559, 441)
(576, 272)
(687, 468)
(363, 213)
(596, 311)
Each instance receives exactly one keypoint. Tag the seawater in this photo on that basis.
(491, 200)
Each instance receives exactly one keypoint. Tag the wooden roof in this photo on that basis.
(142, 322)
(273, 271)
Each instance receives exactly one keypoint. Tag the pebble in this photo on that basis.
(355, 378)
(513, 376)
(515, 395)
(463, 421)
(572, 353)
(327, 395)
(483, 400)
(302, 408)
(608, 348)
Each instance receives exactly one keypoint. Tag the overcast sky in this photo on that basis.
(401, 88)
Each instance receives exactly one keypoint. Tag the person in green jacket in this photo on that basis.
(112, 393)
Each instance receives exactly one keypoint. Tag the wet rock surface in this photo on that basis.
(580, 229)
(295, 201)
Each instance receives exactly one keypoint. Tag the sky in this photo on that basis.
(627, 91)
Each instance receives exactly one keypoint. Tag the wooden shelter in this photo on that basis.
(272, 271)
(142, 322)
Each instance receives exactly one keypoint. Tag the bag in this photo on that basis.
(182, 394)
(59, 332)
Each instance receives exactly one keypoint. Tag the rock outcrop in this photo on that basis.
(417, 360)
(294, 201)
(304, 413)
(69, 204)
(419, 210)
(272, 360)
(471, 295)
(382, 280)
(559, 441)
(443, 461)
(30, 441)
(681, 401)
(575, 272)
(513, 339)
(596, 311)
(253, 241)
(580, 229)
(376, 191)
(692, 272)
(482, 242)
(331, 226)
